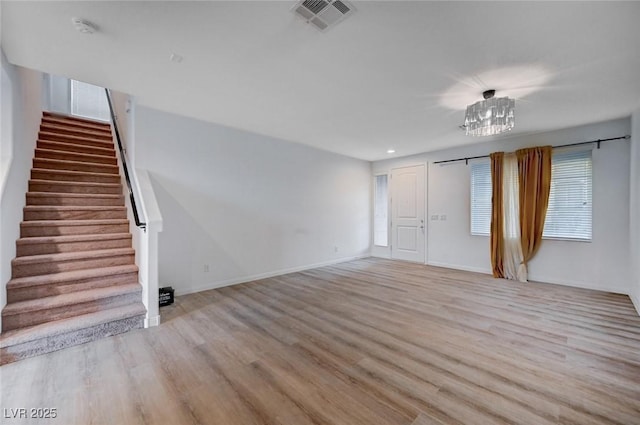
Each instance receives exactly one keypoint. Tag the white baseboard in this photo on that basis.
(459, 267)
(152, 321)
(579, 284)
(543, 279)
(244, 279)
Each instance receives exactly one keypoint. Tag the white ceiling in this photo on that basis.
(395, 74)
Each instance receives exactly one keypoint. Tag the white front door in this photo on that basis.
(407, 214)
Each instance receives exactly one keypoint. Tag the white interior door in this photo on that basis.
(407, 214)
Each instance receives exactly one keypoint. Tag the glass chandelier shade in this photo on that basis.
(491, 116)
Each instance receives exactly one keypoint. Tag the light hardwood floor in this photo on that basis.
(369, 342)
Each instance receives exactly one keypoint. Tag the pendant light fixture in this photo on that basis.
(490, 116)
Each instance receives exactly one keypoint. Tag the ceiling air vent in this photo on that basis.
(323, 14)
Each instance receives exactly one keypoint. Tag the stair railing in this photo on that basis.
(123, 157)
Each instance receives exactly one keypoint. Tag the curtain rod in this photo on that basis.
(466, 160)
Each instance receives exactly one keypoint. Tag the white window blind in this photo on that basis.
(381, 211)
(569, 214)
(481, 197)
(89, 101)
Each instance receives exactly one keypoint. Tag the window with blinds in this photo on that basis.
(381, 211)
(569, 214)
(89, 101)
(481, 198)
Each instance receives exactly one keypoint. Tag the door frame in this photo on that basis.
(385, 252)
(377, 250)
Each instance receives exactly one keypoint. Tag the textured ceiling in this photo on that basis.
(393, 75)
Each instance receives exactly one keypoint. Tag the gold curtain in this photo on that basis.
(534, 172)
(497, 218)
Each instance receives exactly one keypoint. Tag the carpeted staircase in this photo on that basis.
(74, 278)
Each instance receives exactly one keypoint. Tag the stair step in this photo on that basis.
(80, 199)
(74, 187)
(38, 228)
(79, 157)
(57, 164)
(74, 278)
(71, 243)
(79, 140)
(75, 176)
(74, 147)
(47, 285)
(35, 265)
(75, 131)
(75, 118)
(34, 312)
(41, 339)
(65, 122)
(72, 212)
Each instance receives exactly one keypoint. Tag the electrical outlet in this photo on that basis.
(434, 217)
(443, 217)
(206, 268)
(335, 249)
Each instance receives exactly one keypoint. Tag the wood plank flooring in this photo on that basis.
(370, 342)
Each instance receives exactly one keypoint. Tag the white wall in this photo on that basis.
(634, 209)
(145, 240)
(123, 105)
(23, 107)
(58, 94)
(602, 264)
(248, 205)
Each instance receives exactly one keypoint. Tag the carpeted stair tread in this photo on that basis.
(69, 256)
(39, 223)
(75, 125)
(74, 195)
(56, 227)
(18, 336)
(80, 140)
(69, 299)
(47, 114)
(75, 131)
(71, 165)
(71, 183)
(47, 279)
(61, 213)
(72, 238)
(105, 128)
(40, 245)
(72, 208)
(79, 195)
(56, 262)
(74, 156)
(88, 188)
(74, 147)
(68, 175)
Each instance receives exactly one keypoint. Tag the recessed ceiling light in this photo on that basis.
(83, 26)
(176, 58)
(391, 151)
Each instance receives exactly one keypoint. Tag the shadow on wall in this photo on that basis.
(206, 242)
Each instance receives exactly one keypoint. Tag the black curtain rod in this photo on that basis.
(466, 160)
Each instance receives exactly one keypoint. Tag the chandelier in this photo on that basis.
(490, 116)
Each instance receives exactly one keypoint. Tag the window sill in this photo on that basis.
(553, 238)
(546, 238)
